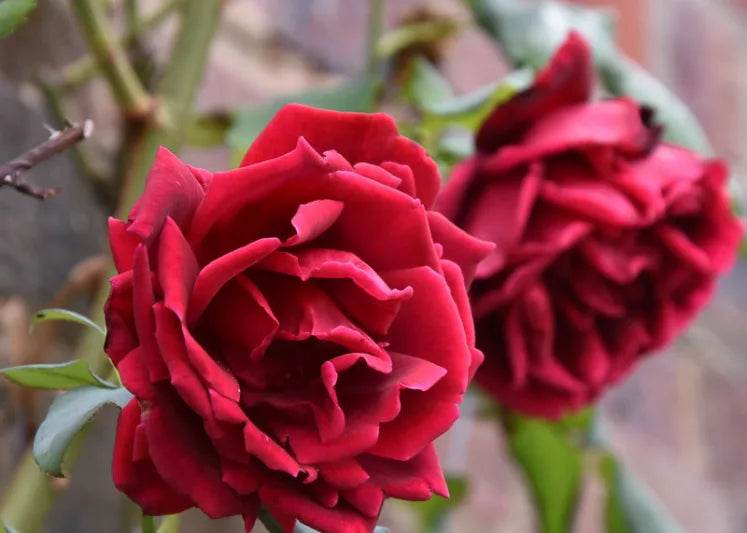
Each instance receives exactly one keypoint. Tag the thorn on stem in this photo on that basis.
(58, 141)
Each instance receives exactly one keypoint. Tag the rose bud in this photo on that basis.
(296, 332)
(608, 241)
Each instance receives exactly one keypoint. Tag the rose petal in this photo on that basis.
(134, 374)
(287, 504)
(240, 315)
(239, 189)
(344, 474)
(220, 271)
(177, 268)
(415, 479)
(366, 498)
(359, 137)
(171, 191)
(122, 244)
(459, 247)
(368, 298)
(312, 219)
(378, 173)
(143, 301)
(183, 377)
(615, 123)
(455, 281)
(180, 450)
(139, 479)
(567, 79)
(121, 334)
(441, 339)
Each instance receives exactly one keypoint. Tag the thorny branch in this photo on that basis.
(10, 172)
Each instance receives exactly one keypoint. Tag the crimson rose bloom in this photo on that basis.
(608, 241)
(296, 332)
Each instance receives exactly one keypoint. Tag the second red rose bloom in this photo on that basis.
(608, 242)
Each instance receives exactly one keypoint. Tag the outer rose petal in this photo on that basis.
(230, 191)
(171, 191)
(612, 123)
(181, 451)
(566, 80)
(358, 137)
(139, 478)
(122, 244)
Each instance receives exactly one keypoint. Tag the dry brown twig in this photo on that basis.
(10, 172)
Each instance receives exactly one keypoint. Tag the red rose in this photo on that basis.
(296, 331)
(608, 241)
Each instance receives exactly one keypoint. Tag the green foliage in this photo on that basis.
(248, 123)
(207, 131)
(64, 314)
(169, 524)
(432, 95)
(530, 32)
(447, 121)
(630, 506)
(147, 523)
(68, 414)
(614, 516)
(406, 36)
(552, 466)
(426, 87)
(13, 13)
(62, 376)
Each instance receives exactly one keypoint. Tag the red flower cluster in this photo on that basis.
(296, 332)
(608, 241)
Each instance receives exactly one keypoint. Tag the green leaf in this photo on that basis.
(530, 33)
(426, 87)
(67, 415)
(5, 528)
(64, 314)
(248, 123)
(630, 506)
(13, 13)
(457, 144)
(62, 376)
(552, 467)
(470, 110)
(614, 516)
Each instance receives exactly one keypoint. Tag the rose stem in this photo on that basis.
(10, 172)
(148, 524)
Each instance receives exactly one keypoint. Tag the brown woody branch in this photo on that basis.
(10, 172)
